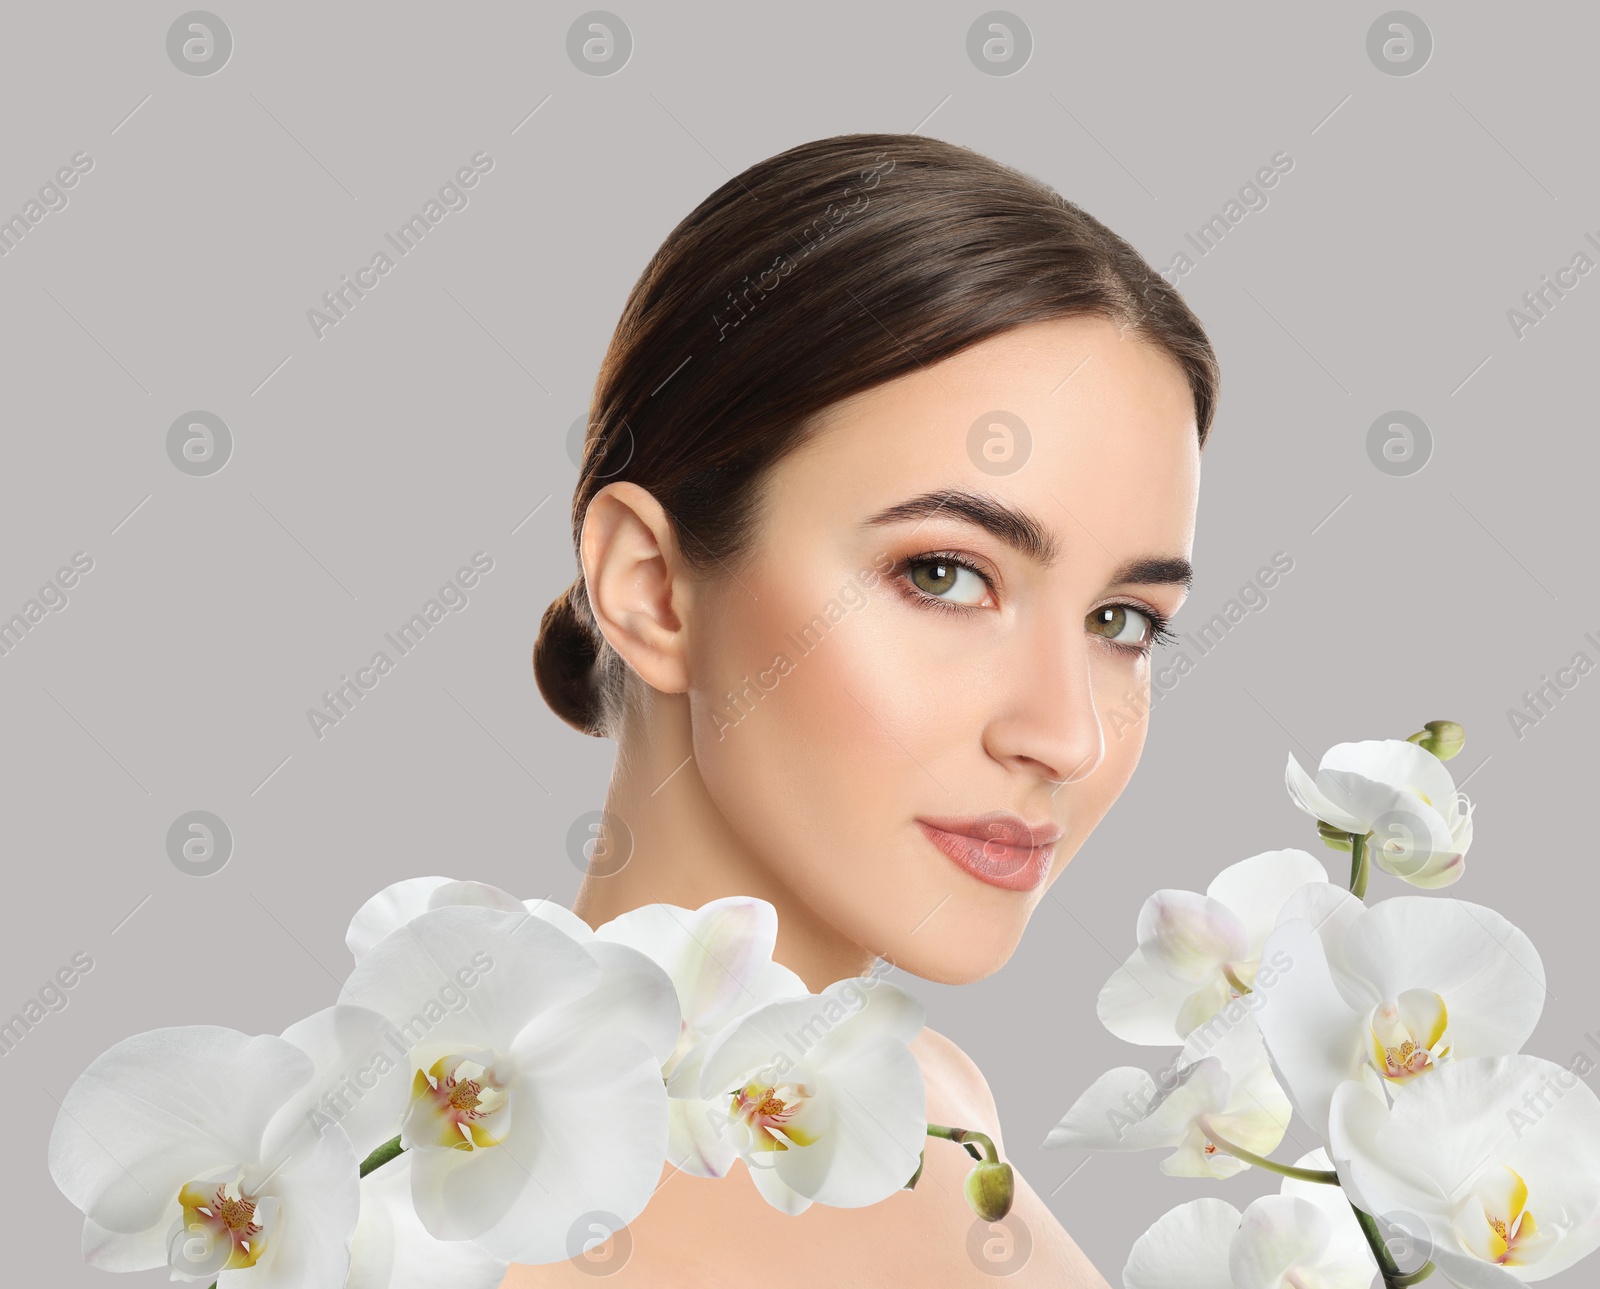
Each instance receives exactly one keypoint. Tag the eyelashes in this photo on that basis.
(1159, 633)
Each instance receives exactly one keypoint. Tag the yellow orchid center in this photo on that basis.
(1495, 1223)
(456, 1103)
(1407, 1035)
(219, 1230)
(771, 1112)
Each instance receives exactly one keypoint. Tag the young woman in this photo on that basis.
(888, 491)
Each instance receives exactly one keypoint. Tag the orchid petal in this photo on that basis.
(393, 1250)
(1314, 1038)
(359, 1082)
(713, 953)
(1142, 1004)
(1487, 971)
(393, 906)
(1306, 793)
(309, 1247)
(465, 978)
(165, 1107)
(1255, 889)
(633, 992)
(876, 1126)
(1186, 1248)
(559, 915)
(1191, 937)
(1279, 1234)
(143, 1251)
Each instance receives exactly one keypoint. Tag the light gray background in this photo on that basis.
(432, 423)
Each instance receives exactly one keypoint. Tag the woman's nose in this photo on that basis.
(1044, 712)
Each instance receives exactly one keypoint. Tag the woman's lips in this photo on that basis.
(999, 848)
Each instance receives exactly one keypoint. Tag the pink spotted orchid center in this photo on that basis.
(222, 1228)
(457, 1103)
(1407, 1035)
(772, 1112)
(1496, 1223)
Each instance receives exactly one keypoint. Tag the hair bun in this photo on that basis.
(563, 664)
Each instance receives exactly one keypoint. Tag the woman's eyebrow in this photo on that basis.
(1024, 533)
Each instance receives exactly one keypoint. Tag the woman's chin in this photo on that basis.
(955, 955)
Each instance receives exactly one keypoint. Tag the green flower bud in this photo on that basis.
(991, 1188)
(1443, 738)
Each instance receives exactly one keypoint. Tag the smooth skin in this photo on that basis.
(757, 759)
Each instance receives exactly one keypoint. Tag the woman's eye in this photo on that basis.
(1122, 624)
(944, 579)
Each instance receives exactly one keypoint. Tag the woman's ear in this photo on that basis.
(635, 580)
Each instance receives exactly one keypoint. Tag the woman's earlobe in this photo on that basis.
(634, 576)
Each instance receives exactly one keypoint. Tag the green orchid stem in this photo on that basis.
(1325, 1176)
(1393, 1277)
(1358, 865)
(382, 1155)
(967, 1136)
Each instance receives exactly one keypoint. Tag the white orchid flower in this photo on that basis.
(535, 1062)
(1401, 794)
(221, 1155)
(1392, 992)
(393, 1250)
(1197, 952)
(719, 958)
(399, 902)
(1498, 1156)
(1219, 1092)
(1306, 1237)
(821, 1095)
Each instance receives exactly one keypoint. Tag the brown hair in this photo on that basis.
(816, 274)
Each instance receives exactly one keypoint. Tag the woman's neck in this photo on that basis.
(675, 847)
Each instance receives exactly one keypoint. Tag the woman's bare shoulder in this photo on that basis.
(972, 1105)
(710, 1233)
(954, 1078)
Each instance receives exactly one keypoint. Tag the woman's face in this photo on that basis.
(945, 623)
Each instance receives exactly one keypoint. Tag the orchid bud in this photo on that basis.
(991, 1189)
(1443, 738)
